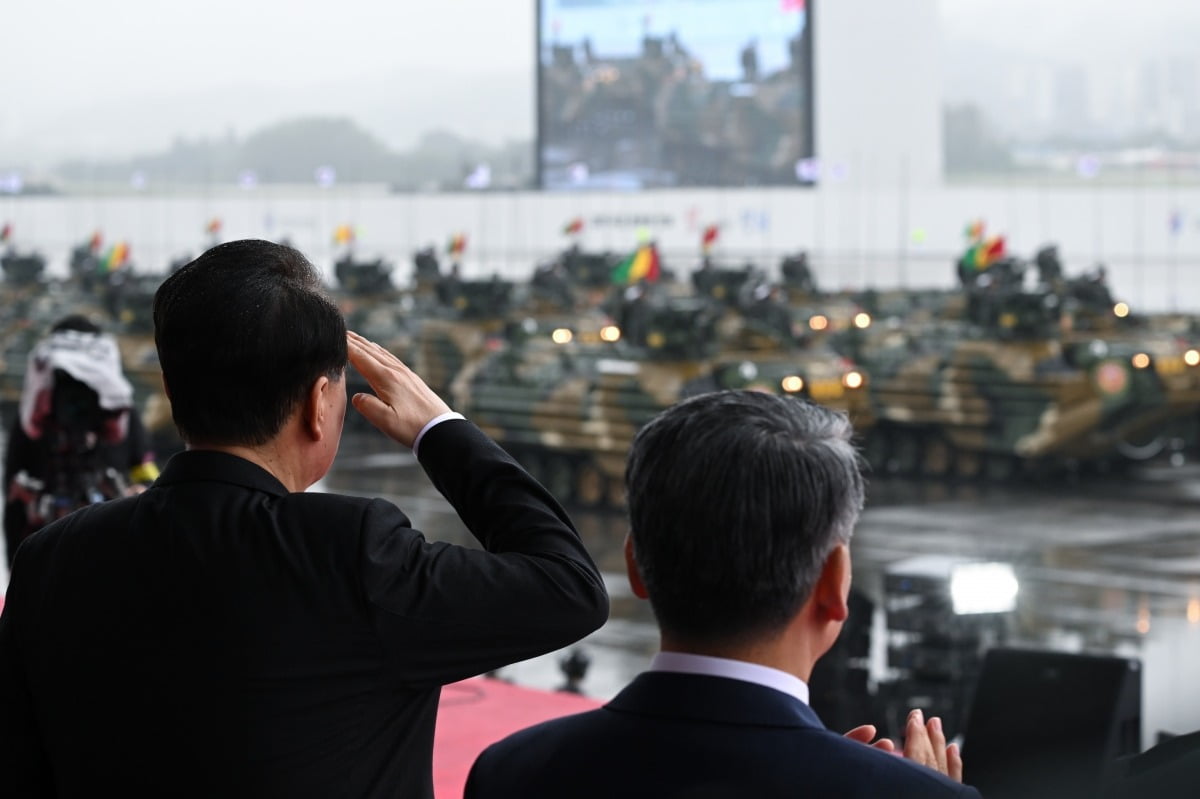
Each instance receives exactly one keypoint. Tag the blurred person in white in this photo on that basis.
(78, 437)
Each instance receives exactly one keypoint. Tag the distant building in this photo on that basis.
(1072, 107)
(1151, 96)
(1183, 94)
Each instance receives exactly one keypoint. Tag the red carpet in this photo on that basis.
(478, 712)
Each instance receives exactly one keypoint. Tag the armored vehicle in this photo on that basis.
(458, 326)
(129, 298)
(1004, 390)
(588, 269)
(1169, 347)
(723, 284)
(426, 266)
(22, 269)
(359, 277)
(566, 402)
(18, 335)
(797, 277)
(84, 262)
(463, 319)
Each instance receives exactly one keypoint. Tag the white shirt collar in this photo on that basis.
(686, 663)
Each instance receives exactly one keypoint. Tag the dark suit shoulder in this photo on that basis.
(306, 508)
(610, 753)
(86, 521)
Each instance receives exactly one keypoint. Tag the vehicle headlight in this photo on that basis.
(792, 383)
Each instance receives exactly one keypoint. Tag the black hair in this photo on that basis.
(76, 322)
(736, 498)
(242, 333)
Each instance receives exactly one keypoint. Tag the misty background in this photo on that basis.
(420, 94)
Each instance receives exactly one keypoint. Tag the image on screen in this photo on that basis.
(637, 94)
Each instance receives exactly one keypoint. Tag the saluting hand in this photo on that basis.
(402, 404)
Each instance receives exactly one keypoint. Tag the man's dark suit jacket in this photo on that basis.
(219, 636)
(684, 735)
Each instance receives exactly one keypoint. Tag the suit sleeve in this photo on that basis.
(447, 612)
(24, 763)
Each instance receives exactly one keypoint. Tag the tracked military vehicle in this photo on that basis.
(588, 269)
(371, 303)
(1003, 390)
(798, 279)
(567, 401)
(457, 326)
(723, 284)
(361, 277)
(22, 269)
(1170, 348)
(84, 262)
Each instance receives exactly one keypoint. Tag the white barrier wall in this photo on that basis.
(857, 236)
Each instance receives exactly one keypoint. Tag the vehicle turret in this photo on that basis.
(359, 277)
(566, 401)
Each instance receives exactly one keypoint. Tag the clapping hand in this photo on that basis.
(924, 743)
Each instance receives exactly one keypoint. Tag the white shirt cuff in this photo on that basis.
(432, 423)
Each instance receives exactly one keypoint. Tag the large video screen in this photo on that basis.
(639, 94)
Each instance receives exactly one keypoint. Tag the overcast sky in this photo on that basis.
(123, 76)
(221, 64)
(85, 50)
(1077, 30)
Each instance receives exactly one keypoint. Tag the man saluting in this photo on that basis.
(225, 633)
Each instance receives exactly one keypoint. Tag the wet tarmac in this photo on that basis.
(1105, 563)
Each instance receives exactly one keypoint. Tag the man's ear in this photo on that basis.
(831, 595)
(632, 570)
(314, 408)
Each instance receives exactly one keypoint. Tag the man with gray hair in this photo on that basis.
(741, 507)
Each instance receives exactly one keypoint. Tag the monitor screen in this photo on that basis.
(1048, 723)
(636, 94)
